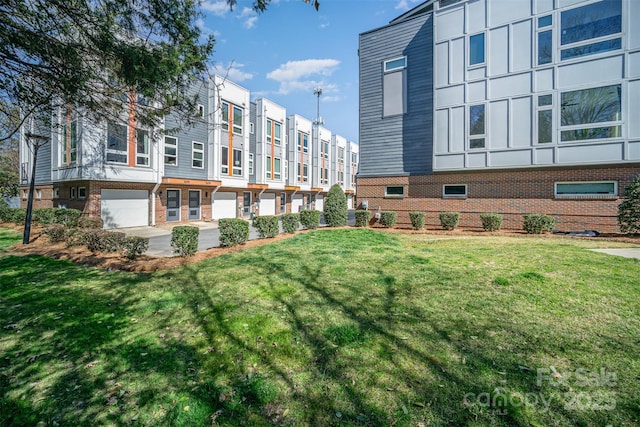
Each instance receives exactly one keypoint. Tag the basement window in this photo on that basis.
(394, 191)
(457, 190)
(586, 189)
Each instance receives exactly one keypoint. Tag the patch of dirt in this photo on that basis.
(40, 245)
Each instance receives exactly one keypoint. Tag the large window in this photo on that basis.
(594, 113)
(394, 87)
(197, 155)
(117, 143)
(476, 126)
(277, 133)
(224, 160)
(170, 150)
(305, 173)
(142, 147)
(69, 142)
(325, 149)
(269, 131)
(585, 189)
(276, 168)
(237, 120)
(545, 40)
(237, 162)
(476, 49)
(237, 112)
(580, 27)
(269, 172)
(224, 115)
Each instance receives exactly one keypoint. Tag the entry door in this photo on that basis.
(194, 204)
(173, 205)
(246, 203)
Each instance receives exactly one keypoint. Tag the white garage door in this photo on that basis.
(124, 208)
(349, 202)
(224, 205)
(267, 204)
(296, 203)
(319, 202)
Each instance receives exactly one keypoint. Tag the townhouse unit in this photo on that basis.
(232, 162)
(514, 107)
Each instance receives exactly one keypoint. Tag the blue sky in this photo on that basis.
(287, 51)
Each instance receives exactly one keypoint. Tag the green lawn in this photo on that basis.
(331, 327)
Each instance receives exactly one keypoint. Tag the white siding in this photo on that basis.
(498, 124)
(498, 51)
(521, 122)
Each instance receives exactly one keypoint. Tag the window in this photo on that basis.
(82, 193)
(197, 155)
(237, 120)
(454, 190)
(117, 143)
(251, 128)
(38, 194)
(142, 147)
(445, 3)
(545, 119)
(276, 168)
(476, 49)
(269, 131)
(545, 21)
(341, 178)
(200, 111)
(283, 202)
(224, 160)
(591, 114)
(268, 167)
(72, 193)
(305, 143)
(69, 142)
(578, 189)
(237, 162)
(354, 158)
(545, 49)
(476, 126)
(305, 173)
(340, 155)
(580, 26)
(170, 150)
(250, 163)
(394, 191)
(56, 193)
(395, 64)
(277, 134)
(325, 149)
(324, 177)
(224, 113)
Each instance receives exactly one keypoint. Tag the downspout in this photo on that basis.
(215, 190)
(155, 188)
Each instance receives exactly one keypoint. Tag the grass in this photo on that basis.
(331, 327)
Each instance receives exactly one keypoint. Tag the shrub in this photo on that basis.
(6, 214)
(417, 219)
(77, 236)
(56, 233)
(310, 218)
(449, 220)
(98, 240)
(290, 222)
(362, 218)
(68, 217)
(267, 226)
(335, 207)
(233, 231)
(184, 240)
(537, 223)
(491, 221)
(44, 216)
(388, 218)
(18, 215)
(134, 246)
(629, 208)
(90, 222)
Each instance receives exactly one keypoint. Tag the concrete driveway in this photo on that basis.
(623, 252)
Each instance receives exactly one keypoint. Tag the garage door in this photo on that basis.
(267, 204)
(124, 208)
(349, 202)
(224, 205)
(296, 203)
(319, 202)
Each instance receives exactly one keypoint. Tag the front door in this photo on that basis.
(173, 205)
(246, 203)
(194, 204)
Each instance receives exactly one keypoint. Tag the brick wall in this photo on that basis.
(511, 193)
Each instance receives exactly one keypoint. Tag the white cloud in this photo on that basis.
(217, 7)
(250, 17)
(335, 98)
(302, 76)
(406, 4)
(233, 71)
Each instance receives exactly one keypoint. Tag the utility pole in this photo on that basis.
(35, 141)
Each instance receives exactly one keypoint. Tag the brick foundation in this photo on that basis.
(511, 193)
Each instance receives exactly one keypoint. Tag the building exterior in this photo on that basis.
(234, 161)
(514, 107)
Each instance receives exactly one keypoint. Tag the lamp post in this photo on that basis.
(35, 141)
(317, 92)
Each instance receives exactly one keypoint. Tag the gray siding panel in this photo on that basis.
(397, 145)
(43, 164)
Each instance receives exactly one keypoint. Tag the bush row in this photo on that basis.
(46, 216)
(98, 240)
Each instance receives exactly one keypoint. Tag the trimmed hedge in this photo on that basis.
(44, 216)
(449, 220)
(134, 246)
(629, 208)
(233, 231)
(15, 215)
(267, 226)
(335, 207)
(56, 233)
(310, 218)
(90, 222)
(388, 218)
(98, 240)
(418, 219)
(491, 221)
(362, 217)
(537, 223)
(290, 222)
(68, 217)
(184, 240)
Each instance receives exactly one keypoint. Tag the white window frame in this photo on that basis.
(484, 57)
(593, 125)
(538, 109)
(82, 193)
(38, 194)
(72, 193)
(236, 170)
(250, 163)
(454, 196)
(305, 172)
(277, 140)
(268, 172)
(224, 115)
(56, 193)
(277, 171)
(200, 111)
(251, 128)
(393, 195)
(389, 66)
(195, 151)
(143, 158)
(224, 160)
(124, 152)
(174, 145)
(269, 131)
(238, 128)
(483, 135)
(585, 195)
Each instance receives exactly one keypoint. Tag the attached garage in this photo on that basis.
(319, 205)
(267, 204)
(224, 205)
(124, 208)
(296, 203)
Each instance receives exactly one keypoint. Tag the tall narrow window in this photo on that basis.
(277, 138)
(237, 120)
(269, 131)
(305, 143)
(197, 155)
(394, 86)
(545, 47)
(268, 167)
(476, 126)
(117, 143)
(545, 119)
(142, 147)
(170, 150)
(224, 160)
(476, 49)
(224, 115)
(237, 162)
(250, 163)
(305, 173)
(276, 168)
(69, 142)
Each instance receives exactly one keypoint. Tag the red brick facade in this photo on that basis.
(511, 193)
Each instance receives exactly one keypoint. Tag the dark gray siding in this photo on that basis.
(43, 164)
(401, 144)
(186, 136)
